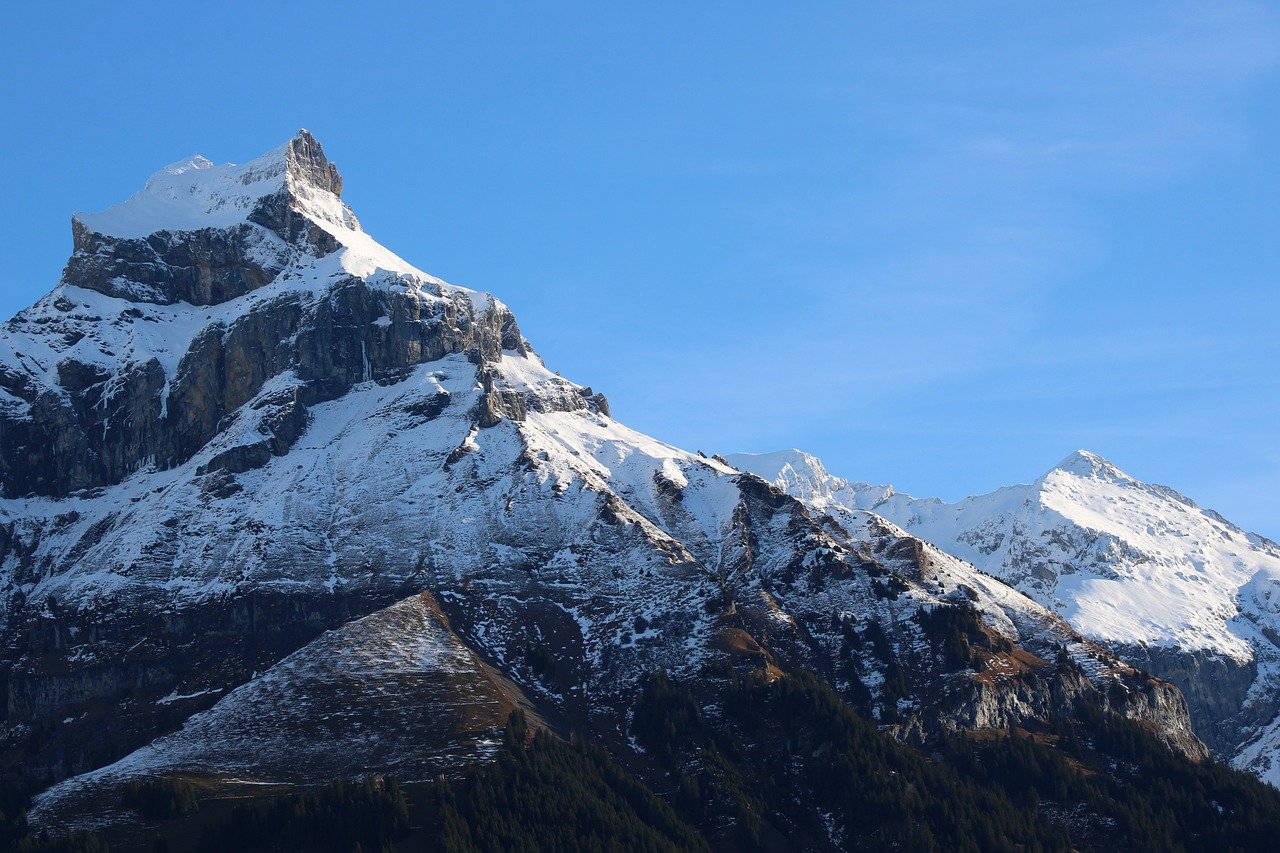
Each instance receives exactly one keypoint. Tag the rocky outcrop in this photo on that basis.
(94, 428)
(1171, 588)
(204, 472)
(1215, 687)
(1052, 693)
(209, 266)
(205, 267)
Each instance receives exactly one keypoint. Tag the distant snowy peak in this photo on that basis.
(802, 475)
(194, 194)
(1173, 587)
(1084, 463)
(1124, 561)
(793, 470)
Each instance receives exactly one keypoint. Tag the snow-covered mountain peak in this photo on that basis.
(802, 475)
(1089, 465)
(1139, 566)
(193, 194)
(208, 264)
(792, 465)
(1125, 561)
(201, 234)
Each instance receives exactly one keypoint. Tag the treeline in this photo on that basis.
(1144, 795)
(157, 798)
(790, 760)
(732, 761)
(542, 794)
(539, 794)
(15, 799)
(363, 816)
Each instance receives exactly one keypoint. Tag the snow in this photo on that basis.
(119, 335)
(175, 696)
(194, 194)
(1127, 563)
(559, 529)
(357, 695)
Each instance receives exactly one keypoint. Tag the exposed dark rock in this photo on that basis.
(198, 588)
(1215, 687)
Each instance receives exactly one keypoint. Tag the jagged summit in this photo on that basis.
(307, 161)
(773, 464)
(205, 234)
(803, 475)
(194, 194)
(1179, 589)
(179, 304)
(217, 444)
(1086, 463)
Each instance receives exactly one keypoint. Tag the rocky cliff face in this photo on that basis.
(1172, 588)
(238, 423)
(96, 388)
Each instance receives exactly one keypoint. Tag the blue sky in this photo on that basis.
(939, 245)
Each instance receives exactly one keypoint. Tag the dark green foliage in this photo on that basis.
(1141, 795)
(544, 794)
(75, 842)
(160, 797)
(748, 764)
(15, 795)
(850, 640)
(662, 713)
(890, 588)
(1066, 664)
(951, 629)
(782, 754)
(895, 682)
(345, 816)
(788, 752)
(954, 630)
(1164, 802)
(874, 635)
(540, 660)
(540, 794)
(15, 798)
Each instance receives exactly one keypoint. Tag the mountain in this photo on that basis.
(278, 507)
(1173, 588)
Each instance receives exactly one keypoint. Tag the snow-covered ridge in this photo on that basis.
(1124, 561)
(1135, 565)
(193, 193)
(114, 332)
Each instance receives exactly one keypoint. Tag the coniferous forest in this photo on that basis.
(735, 761)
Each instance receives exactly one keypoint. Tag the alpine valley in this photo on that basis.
(303, 548)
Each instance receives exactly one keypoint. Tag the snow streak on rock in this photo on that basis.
(239, 423)
(1176, 588)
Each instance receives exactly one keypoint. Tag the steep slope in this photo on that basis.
(238, 423)
(1174, 588)
(396, 691)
